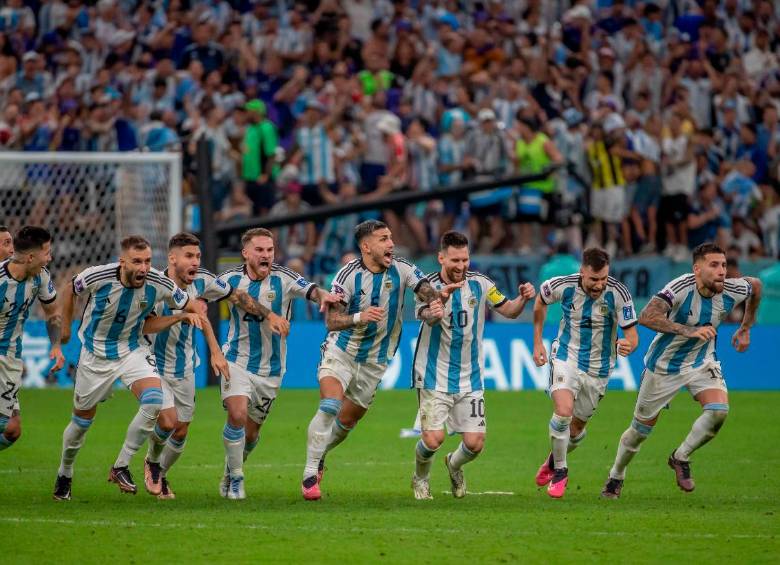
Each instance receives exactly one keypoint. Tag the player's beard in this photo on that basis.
(187, 275)
(137, 280)
(455, 277)
(715, 287)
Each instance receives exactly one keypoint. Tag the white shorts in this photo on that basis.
(261, 391)
(608, 204)
(95, 376)
(462, 412)
(588, 390)
(358, 380)
(656, 391)
(179, 394)
(11, 370)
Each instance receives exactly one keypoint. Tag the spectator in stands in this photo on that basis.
(296, 241)
(315, 152)
(679, 182)
(258, 154)
(707, 218)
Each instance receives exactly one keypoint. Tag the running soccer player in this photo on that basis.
(120, 297)
(6, 243)
(256, 348)
(364, 330)
(582, 355)
(23, 278)
(448, 362)
(686, 315)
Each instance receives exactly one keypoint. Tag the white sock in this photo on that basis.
(461, 456)
(319, 433)
(423, 456)
(72, 440)
(157, 440)
(559, 438)
(628, 446)
(574, 442)
(703, 430)
(234, 439)
(338, 433)
(171, 452)
(139, 429)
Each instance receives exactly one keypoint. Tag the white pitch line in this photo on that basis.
(276, 528)
(487, 492)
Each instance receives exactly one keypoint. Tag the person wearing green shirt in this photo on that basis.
(258, 163)
(769, 312)
(559, 265)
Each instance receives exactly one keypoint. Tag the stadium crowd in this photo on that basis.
(662, 116)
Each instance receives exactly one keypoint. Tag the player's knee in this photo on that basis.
(13, 430)
(180, 433)
(166, 421)
(475, 444)
(151, 400)
(432, 439)
(718, 412)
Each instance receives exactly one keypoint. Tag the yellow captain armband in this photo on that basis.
(495, 297)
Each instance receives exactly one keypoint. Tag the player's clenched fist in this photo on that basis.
(527, 291)
(436, 310)
(705, 333)
(540, 354)
(372, 314)
(279, 325)
(624, 347)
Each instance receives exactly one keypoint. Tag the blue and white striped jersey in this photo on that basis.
(113, 319)
(174, 349)
(671, 354)
(358, 289)
(16, 298)
(318, 161)
(587, 334)
(448, 356)
(250, 343)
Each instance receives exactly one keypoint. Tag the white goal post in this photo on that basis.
(90, 201)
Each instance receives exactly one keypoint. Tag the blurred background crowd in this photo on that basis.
(662, 116)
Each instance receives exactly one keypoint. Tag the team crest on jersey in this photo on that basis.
(472, 302)
(723, 315)
(388, 284)
(604, 309)
(271, 295)
(143, 303)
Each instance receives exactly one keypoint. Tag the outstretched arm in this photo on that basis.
(540, 314)
(218, 362)
(741, 339)
(156, 324)
(337, 318)
(513, 308)
(68, 299)
(426, 293)
(324, 299)
(654, 316)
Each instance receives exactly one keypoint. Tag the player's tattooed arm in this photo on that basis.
(426, 293)
(741, 339)
(68, 298)
(655, 317)
(337, 318)
(324, 299)
(242, 299)
(431, 313)
(54, 329)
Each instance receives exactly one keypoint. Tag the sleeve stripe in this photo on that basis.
(621, 288)
(167, 283)
(346, 270)
(47, 301)
(206, 273)
(679, 285)
(565, 280)
(231, 271)
(286, 271)
(631, 325)
(404, 261)
(312, 288)
(100, 272)
(419, 284)
(104, 277)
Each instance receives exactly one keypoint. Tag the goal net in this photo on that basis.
(90, 201)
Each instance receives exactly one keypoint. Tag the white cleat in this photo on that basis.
(236, 489)
(421, 488)
(457, 479)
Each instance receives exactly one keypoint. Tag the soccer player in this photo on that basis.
(120, 297)
(23, 278)
(582, 355)
(256, 348)
(448, 362)
(686, 315)
(364, 330)
(173, 345)
(6, 243)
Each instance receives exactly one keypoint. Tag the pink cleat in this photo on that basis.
(545, 473)
(557, 487)
(320, 470)
(311, 489)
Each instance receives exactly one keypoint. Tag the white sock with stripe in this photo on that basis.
(72, 440)
(319, 433)
(628, 446)
(233, 439)
(423, 456)
(171, 452)
(461, 456)
(703, 430)
(559, 438)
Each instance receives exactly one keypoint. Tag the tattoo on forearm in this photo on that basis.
(337, 318)
(54, 329)
(250, 305)
(654, 317)
(426, 293)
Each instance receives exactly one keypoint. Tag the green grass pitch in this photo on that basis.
(368, 513)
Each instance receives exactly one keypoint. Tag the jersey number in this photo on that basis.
(11, 393)
(121, 316)
(478, 408)
(253, 318)
(461, 319)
